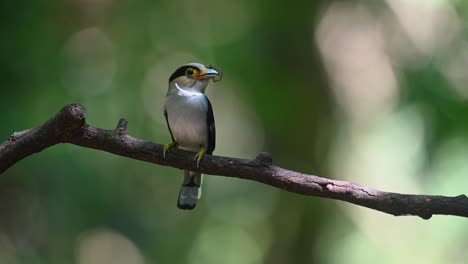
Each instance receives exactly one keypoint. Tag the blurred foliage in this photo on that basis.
(365, 91)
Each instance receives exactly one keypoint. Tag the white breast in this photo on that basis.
(187, 115)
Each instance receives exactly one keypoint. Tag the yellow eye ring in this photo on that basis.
(190, 72)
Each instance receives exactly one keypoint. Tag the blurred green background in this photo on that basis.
(373, 92)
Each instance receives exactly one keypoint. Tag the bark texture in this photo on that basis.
(69, 126)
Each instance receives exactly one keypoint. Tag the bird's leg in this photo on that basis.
(199, 155)
(168, 146)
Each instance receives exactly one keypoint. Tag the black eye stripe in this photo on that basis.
(181, 72)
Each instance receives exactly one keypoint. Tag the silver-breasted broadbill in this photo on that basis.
(191, 123)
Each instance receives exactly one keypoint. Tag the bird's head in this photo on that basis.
(193, 77)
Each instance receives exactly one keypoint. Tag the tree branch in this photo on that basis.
(69, 126)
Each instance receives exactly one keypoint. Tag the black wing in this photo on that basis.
(211, 129)
(168, 126)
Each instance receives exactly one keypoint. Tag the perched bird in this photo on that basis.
(190, 120)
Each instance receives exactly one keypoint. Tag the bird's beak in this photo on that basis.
(208, 74)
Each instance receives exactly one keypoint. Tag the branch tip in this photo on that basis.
(122, 126)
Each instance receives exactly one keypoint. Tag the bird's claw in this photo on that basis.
(168, 146)
(199, 156)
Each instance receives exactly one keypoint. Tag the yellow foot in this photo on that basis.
(168, 146)
(199, 155)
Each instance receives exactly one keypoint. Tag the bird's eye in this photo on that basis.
(190, 72)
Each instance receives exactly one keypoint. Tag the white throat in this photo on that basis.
(183, 92)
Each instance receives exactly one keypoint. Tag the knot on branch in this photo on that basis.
(16, 135)
(70, 118)
(72, 115)
(425, 216)
(264, 158)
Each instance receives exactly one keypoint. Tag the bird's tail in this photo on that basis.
(190, 191)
